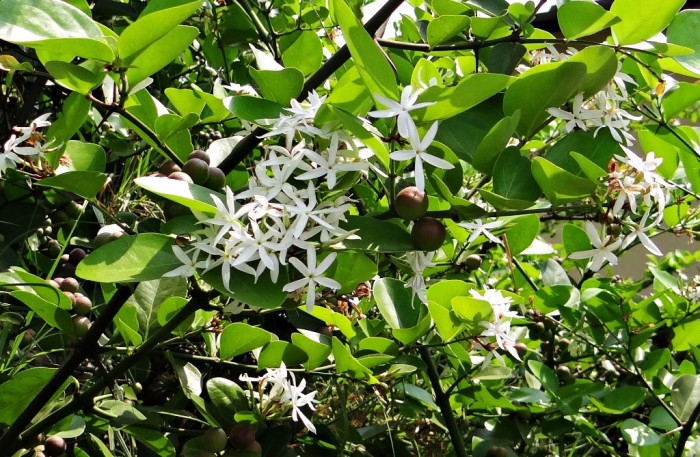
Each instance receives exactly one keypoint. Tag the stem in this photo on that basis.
(85, 400)
(84, 349)
(443, 401)
(250, 142)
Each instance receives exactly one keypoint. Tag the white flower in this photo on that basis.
(578, 115)
(647, 166)
(479, 228)
(189, 263)
(226, 215)
(499, 303)
(331, 166)
(401, 110)
(419, 261)
(308, 109)
(418, 152)
(312, 276)
(638, 230)
(602, 249)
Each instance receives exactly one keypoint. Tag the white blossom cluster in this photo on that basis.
(28, 143)
(499, 327)
(278, 391)
(632, 181)
(283, 209)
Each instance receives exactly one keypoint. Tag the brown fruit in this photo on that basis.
(217, 179)
(411, 204)
(70, 285)
(497, 451)
(199, 154)
(180, 176)
(254, 448)
(169, 167)
(82, 305)
(215, 439)
(198, 170)
(428, 234)
(473, 262)
(76, 256)
(55, 446)
(81, 325)
(242, 436)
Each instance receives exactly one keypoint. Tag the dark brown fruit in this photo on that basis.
(70, 295)
(215, 439)
(497, 451)
(70, 285)
(67, 270)
(169, 167)
(54, 248)
(81, 325)
(198, 170)
(181, 176)
(76, 256)
(411, 204)
(55, 446)
(217, 179)
(82, 305)
(242, 436)
(428, 234)
(472, 262)
(199, 154)
(254, 448)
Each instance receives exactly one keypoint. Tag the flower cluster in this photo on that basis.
(418, 152)
(28, 143)
(499, 327)
(419, 261)
(278, 392)
(282, 214)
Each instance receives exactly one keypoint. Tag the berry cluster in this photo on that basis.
(82, 305)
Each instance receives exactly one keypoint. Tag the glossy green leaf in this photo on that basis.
(559, 185)
(469, 92)
(637, 433)
(642, 19)
(345, 362)
(397, 304)
(18, 392)
(252, 109)
(503, 203)
(446, 322)
(350, 93)
(601, 65)
(581, 19)
(522, 232)
(464, 132)
(197, 102)
(685, 395)
(239, 338)
(153, 440)
(279, 86)
(263, 293)
(544, 374)
(685, 30)
(472, 311)
(147, 298)
(160, 53)
(80, 156)
(354, 126)
(168, 308)
(682, 97)
(512, 177)
(350, 269)
(197, 198)
(376, 235)
(302, 50)
(621, 400)
(158, 19)
(86, 184)
(410, 335)
(370, 60)
(444, 291)
(275, 352)
(71, 427)
(590, 169)
(48, 311)
(316, 352)
(598, 148)
(544, 86)
(74, 77)
(503, 58)
(442, 7)
(131, 258)
(494, 143)
(443, 28)
(227, 398)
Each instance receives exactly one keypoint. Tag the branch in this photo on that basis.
(250, 142)
(443, 402)
(83, 350)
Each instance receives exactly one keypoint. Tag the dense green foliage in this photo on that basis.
(262, 227)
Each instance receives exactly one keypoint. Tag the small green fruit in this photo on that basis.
(215, 439)
(411, 204)
(198, 170)
(428, 234)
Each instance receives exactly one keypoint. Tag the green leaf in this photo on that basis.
(160, 53)
(685, 395)
(264, 293)
(252, 109)
(522, 232)
(445, 27)
(120, 413)
(494, 143)
(444, 291)
(370, 60)
(581, 19)
(239, 338)
(621, 400)
(350, 269)
(71, 427)
(512, 177)
(197, 198)
(642, 19)
(397, 304)
(302, 50)
(131, 258)
(153, 440)
(168, 308)
(682, 97)
(469, 92)
(590, 169)
(472, 311)
(279, 86)
(638, 434)
(544, 374)
(559, 185)
(188, 101)
(351, 94)
(148, 297)
(376, 235)
(316, 351)
(227, 398)
(685, 30)
(446, 323)
(54, 24)
(83, 183)
(74, 112)
(74, 77)
(355, 127)
(345, 362)
(503, 203)
(82, 157)
(18, 392)
(541, 87)
(601, 66)
(410, 335)
(127, 324)
(598, 148)
(48, 311)
(276, 352)
(155, 22)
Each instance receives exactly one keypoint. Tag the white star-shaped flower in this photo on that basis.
(312, 276)
(602, 249)
(401, 109)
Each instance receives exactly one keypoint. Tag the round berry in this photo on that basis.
(55, 446)
(199, 154)
(76, 256)
(242, 436)
(217, 179)
(70, 285)
(180, 176)
(198, 170)
(215, 439)
(428, 234)
(169, 167)
(81, 325)
(82, 305)
(411, 204)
